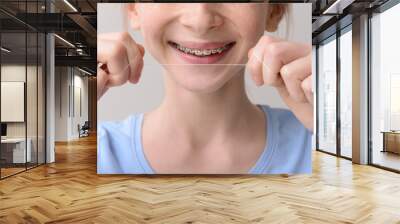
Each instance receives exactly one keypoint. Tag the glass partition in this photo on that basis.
(41, 91)
(327, 96)
(385, 89)
(22, 90)
(14, 153)
(346, 92)
(31, 100)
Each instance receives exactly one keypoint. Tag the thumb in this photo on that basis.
(102, 79)
(250, 52)
(141, 49)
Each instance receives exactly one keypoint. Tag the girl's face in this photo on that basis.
(200, 45)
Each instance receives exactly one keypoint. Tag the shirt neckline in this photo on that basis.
(138, 147)
(261, 164)
(263, 161)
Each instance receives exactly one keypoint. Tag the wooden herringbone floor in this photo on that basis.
(70, 191)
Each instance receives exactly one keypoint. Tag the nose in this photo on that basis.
(201, 17)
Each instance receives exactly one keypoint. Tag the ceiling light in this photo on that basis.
(337, 7)
(84, 71)
(65, 41)
(5, 50)
(70, 5)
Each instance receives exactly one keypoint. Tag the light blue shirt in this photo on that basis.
(288, 148)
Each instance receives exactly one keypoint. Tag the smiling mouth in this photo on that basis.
(202, 52)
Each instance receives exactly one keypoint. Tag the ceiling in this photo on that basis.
(72, 20)
(328, 13)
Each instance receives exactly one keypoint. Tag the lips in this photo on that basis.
(201, 53)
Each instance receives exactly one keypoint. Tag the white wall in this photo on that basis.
(12, 101)
(12, 73)
(61, 103)
(80, 118)
(69, 79)
(110, 107)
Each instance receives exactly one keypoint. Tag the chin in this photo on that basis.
(203, 87)
(203, 81)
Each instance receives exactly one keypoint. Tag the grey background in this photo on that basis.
(119, 102)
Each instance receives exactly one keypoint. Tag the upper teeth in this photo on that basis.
(201, 52)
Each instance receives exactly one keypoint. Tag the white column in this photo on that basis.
(314, 72)
(360, 90)
(50, 99)
(50, 92)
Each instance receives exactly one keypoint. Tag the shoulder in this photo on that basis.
(284, 120)
(115, 145)
(291, 142)
(121, 127)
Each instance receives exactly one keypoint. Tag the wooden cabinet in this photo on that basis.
(391, 142)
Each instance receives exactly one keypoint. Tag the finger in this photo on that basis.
(105, 43)
(254, 68)
(276, 55)
(137, 64)
(137, 73)
(102, 78)
(293, 75)
(134, 49)
(307, 87)
(103, 47)
(114, 55)
(134, 53)
(141, 49)
(255, 55)
(137, 70)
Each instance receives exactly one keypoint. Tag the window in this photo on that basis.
(385, 89)
(22, 77)
(327, 96)
(346, 92)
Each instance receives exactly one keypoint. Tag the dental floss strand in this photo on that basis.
(101, 65)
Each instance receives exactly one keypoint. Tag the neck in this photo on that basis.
(203, 117)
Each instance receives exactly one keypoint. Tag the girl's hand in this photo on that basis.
(120, 60)
(286, 66)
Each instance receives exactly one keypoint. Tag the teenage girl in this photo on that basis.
(206, 123)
